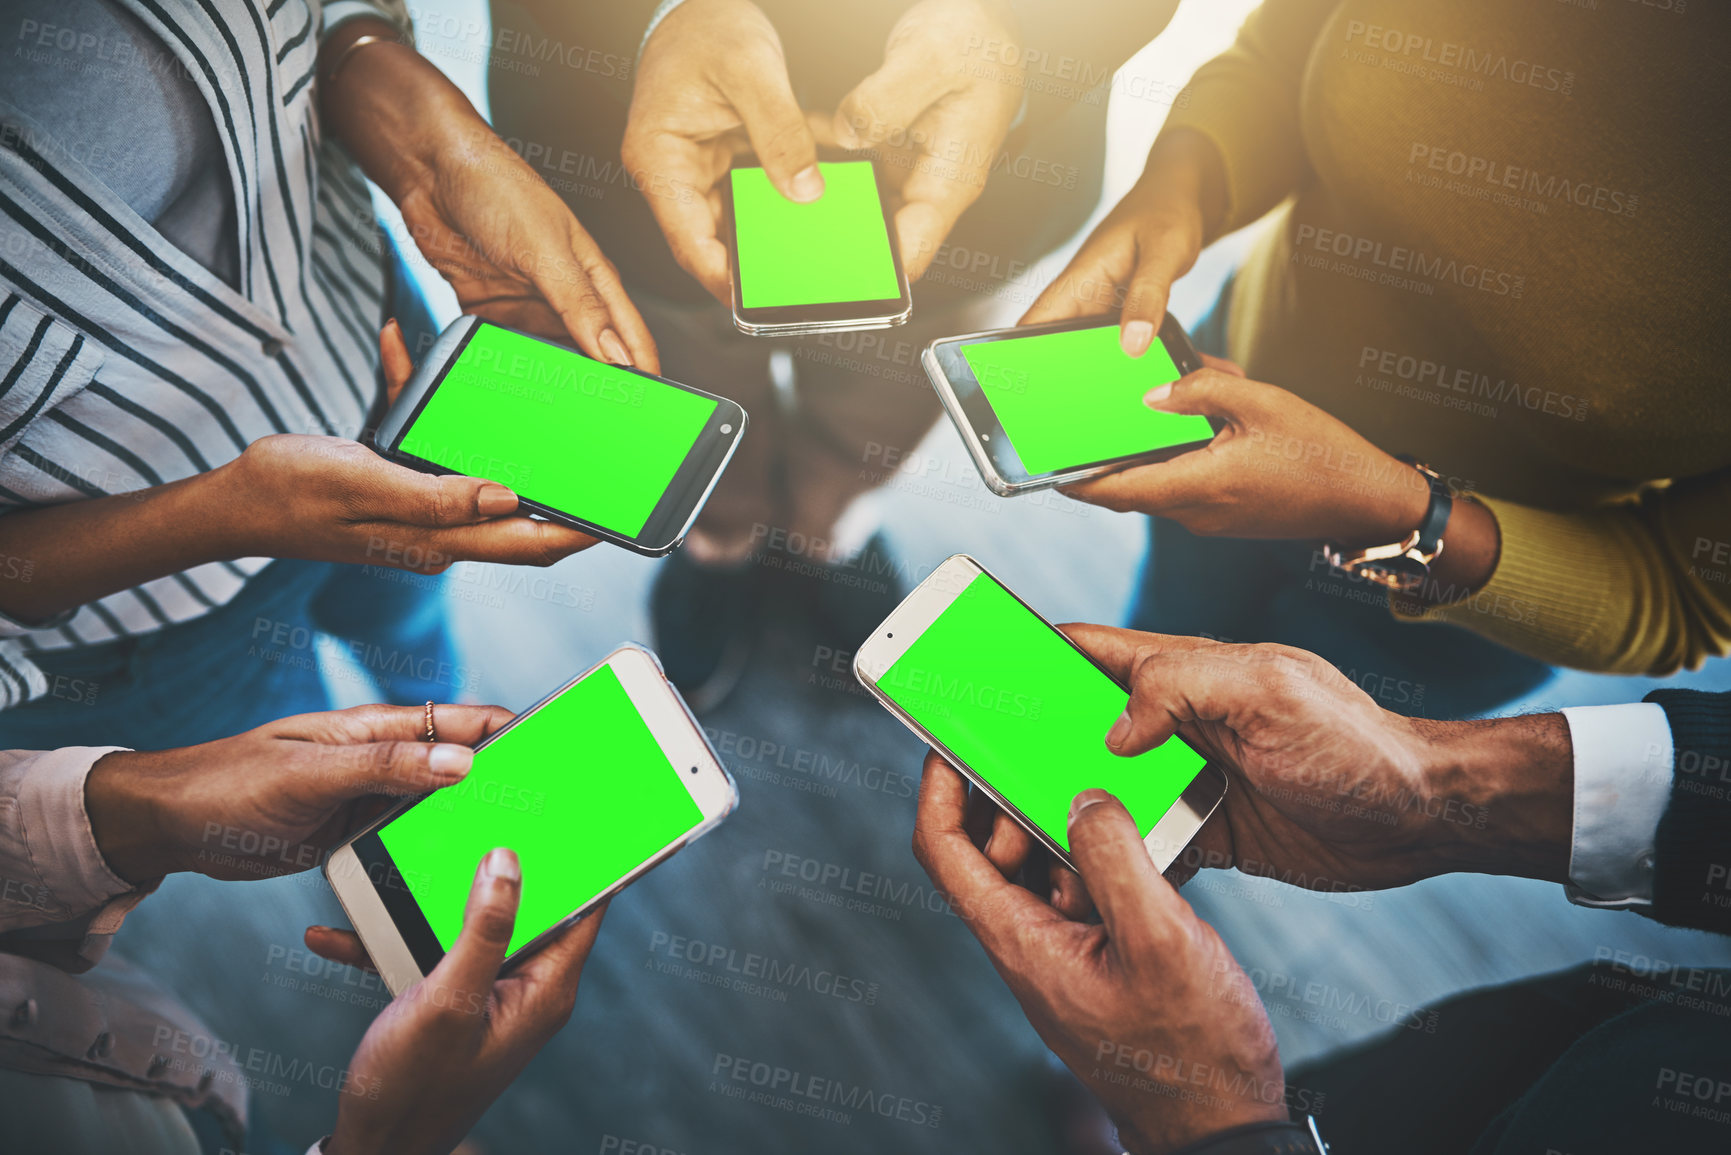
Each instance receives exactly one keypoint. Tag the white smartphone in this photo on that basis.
(616, 452)
(1045, 405)
(820, 267)
(592, 786)
(1016, 706)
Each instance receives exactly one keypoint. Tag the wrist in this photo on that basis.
(1184, 167)
(1503, 795)
(125, 819)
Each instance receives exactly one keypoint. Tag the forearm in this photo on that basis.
(1510, 785)
(80, 551)
(1184, 167)
(390, 107)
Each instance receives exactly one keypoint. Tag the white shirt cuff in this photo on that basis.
(1623, 760)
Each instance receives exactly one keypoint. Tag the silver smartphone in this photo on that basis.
(1045, 405)
(615, 452)
(829, 265)
(592, 786)
(1016, 706)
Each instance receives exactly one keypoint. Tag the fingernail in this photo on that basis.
(495, 500)
(1120, 730)
(1084, 800)
(392, 324)
(806, 185)
(449, 760)
(1136, 338)
(614, 349)
(1157, 397)
(502, 864)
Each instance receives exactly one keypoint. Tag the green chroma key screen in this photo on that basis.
(833, 250)
(1027, 713)
(586, 438)
(1073, 398)
(580, 790)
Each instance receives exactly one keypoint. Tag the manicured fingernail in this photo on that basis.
(1120, 730)
(449, 760)
(1157, 397)
(614, 349)
(1084, 800)
(502, 864)
(806, 185)
(1136, 338)
(495, 500)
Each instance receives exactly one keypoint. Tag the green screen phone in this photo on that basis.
(1011, 701)
(608, 449)
(827, 264)
(1050, 404)
(588, 787)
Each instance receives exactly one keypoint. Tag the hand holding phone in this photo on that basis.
(1045, 405)
(711, 72)
(436, 1058)
(1024, 713)
(1149, 979)
(592, 787)
(604, 449)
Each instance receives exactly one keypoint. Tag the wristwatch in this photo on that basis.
(1403, 565)
(1295, 1138)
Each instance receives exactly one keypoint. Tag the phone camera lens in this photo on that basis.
(694, 769)
(727, 428)
(889, 635)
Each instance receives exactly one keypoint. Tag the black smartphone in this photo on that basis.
(615, 452)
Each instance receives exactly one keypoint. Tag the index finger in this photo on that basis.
(991, 905)
(1154, 489)
(380, 723)
(1117, 649)
(464, 977)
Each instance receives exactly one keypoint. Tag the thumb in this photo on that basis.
(394, 359)
(465, 976)
(780, 136)
(885, 105)
(1211, 392)
(1138, 906)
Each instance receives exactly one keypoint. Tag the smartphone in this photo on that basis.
(1016, 706)
(813, 268)
(592, 786)
(615, 452)
(1046, 405)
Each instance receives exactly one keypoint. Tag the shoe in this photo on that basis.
(704, 619)
(844, 600)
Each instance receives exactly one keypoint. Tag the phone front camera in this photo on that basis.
(727, 429)
(694, 769)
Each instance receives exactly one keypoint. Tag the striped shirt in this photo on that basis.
(126, 364)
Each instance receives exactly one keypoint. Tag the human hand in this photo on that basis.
(936, 115)
(331, 499)
(1136, 1004)
(1279, 468)
(1148, 240)
(480, 214)
(437, 1057)
(712, 85)
(274, 799)
(1329, 791)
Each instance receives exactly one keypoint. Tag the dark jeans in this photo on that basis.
(1281, 591)
(1571, 1062)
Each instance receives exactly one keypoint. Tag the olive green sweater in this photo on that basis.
(1502, 243)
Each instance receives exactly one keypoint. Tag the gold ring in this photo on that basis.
(432, 734)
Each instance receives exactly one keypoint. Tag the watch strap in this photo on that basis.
(1271, 1138)
(1436, 516)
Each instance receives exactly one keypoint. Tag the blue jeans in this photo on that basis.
(247, 663)
(1279, 591)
